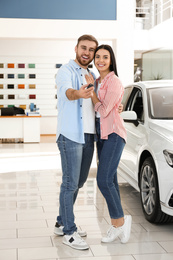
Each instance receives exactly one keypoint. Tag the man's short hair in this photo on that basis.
(87, 37)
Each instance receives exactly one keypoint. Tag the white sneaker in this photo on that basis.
(125, 235)
(75, 241)
(123, 232)
(112, 234)
(58, 230)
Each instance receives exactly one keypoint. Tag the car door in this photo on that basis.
(136, 137)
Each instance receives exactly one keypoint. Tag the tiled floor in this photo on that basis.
(30, 178)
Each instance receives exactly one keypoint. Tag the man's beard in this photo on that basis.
(82, 61)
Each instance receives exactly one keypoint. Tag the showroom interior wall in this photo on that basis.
(157, 64)
(155, 46)
(49, 42)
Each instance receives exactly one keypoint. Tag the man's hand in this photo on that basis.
(86, 93)
(83, 92)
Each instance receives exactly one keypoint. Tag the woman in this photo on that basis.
(111, 140)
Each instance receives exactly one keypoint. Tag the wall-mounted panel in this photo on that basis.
(21, 76)
(10, 76)
(11, 96)
(21, 66)
(10, 65)
(22, 96)
(32, 86)
(32, 96)
(59, 9)
(32, 76)
(21, 86)
(10, 86)
(35, 85)
(23, 106)
(58, 66)
(31, 66)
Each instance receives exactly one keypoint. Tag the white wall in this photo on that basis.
(159, 36)
(54, 40)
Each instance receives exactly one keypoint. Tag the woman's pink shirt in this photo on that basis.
(110, 95)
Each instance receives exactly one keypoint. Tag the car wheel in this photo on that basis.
(149, 193)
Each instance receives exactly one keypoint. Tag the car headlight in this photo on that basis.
(169, 157)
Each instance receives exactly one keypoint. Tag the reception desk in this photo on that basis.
(25, 127)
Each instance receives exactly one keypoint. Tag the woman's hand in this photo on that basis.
(94, 98)
(120, 108)
(89, 78)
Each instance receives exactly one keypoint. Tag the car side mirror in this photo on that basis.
(130, 117)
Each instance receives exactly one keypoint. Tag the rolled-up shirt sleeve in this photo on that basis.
(112, 97)
(63, 82)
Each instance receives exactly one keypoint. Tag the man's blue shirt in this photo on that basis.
(70, 122)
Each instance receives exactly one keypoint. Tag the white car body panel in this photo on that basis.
(152, 136)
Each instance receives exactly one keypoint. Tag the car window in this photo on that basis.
(135, 103)
(161, 103)
(127, 92)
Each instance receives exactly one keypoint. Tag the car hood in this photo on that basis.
(163, 127)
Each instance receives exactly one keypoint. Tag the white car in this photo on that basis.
(147, 159)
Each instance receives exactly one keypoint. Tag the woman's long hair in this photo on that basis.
(113, 66)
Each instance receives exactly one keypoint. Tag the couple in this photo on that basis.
(82, 113)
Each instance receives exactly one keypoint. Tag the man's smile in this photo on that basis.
(85, 57)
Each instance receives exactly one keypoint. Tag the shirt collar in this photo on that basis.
(107, 76)
(75, 65)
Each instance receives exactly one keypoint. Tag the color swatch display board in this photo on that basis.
(22, 83)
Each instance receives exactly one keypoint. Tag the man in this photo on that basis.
(75, 136)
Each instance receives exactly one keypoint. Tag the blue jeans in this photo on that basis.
(109, 154)
(75, 160)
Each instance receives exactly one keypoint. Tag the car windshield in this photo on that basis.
(161, 102)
